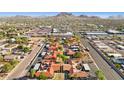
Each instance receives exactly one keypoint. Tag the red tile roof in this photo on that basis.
(47, 74)
(51, 71)
(54, 55)
(37, 74)
(70, 52)
(53, 48)
(59, 52)
(56, 67)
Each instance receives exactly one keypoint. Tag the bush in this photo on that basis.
(14, 62)
(118, 66)
(21, 40)
(32, 73)
(2, 35)
(20, 46)
(7, 67)
(1, 58)
(42, 76)
(77, 55)
(26, 49)
(100, 75)
(64, 57)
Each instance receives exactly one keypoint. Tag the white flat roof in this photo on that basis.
(86, 66)
(113, 31)
(96, 33)
(36, 66)
(120, 46)
(114, 54)
(43, 53)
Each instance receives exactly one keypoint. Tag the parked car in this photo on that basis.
(87, 49)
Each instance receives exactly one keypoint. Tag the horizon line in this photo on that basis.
(43, 14)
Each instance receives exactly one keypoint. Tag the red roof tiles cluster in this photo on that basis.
(70, 52)
(50, 59)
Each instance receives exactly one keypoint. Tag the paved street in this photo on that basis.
(110, 74)
(21, 69)
(93, 65)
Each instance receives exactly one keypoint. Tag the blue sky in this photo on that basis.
(101, 14)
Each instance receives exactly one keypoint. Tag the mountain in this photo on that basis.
(85, 16)
(116, 17)
(64, 14)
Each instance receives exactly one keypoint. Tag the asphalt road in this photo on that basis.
(21, 69)
(109, 73)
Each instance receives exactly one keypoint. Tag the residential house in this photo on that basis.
(9, 48)
(80, 74)
(10, 57)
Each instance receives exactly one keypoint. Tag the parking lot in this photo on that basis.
(113, 45)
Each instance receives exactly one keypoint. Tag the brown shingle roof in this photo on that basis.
(10, 57)
(66, 67)
(80, 74)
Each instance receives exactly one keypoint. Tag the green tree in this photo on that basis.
(100, 75)
(7, 67)
(18, 40)
(2, 35)
(26, 49)
(118, 66)
(24, 40)
(66, 42)
(21, 40)
(14, 62)
(1, 58)
(32, 73)
(42, 76)
(20, 47)
(77, 55)
(64, 57)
